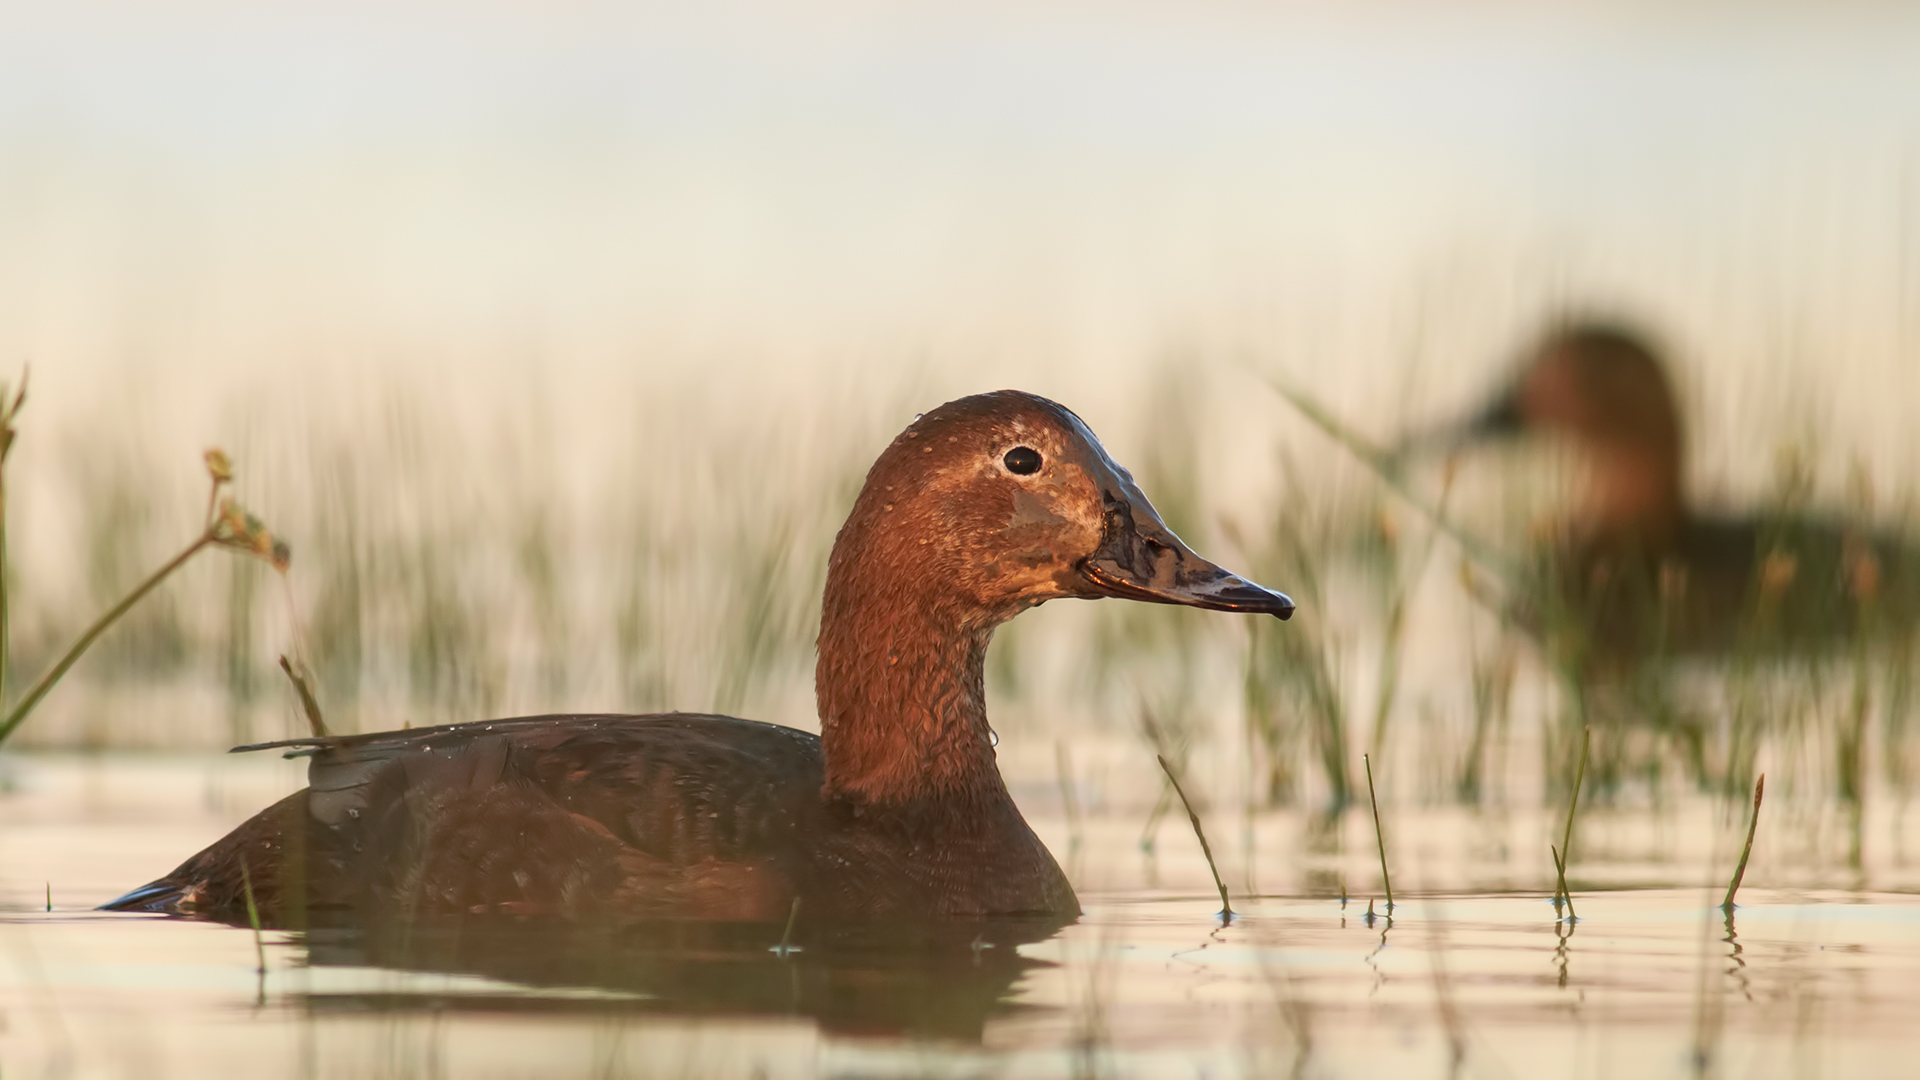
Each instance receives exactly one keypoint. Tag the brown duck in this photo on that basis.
(979, 510)
(1640, 570)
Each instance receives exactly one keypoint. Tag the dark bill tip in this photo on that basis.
(1502, 416)
(1499, 419)
(1213, 588)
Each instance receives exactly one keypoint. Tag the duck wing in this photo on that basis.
(567, 814)
(1774, 586)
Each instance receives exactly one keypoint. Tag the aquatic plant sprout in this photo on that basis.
(226, 525)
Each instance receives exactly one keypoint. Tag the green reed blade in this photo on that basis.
(1753, 823)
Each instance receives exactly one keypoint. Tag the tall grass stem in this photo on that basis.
(9, 412)
(309, 704)
(1206, 849)
(253, 916)
(46, 682)
(1379, 834)
(785, 948)
(1387, 467)
(1564, 895)
(1564, 855)
(1753, 823)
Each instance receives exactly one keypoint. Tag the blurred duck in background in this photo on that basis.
(1638, 572)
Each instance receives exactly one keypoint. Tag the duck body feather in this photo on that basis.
(1768, 585)
(655, 816)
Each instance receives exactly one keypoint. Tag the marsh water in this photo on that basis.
(1816, 972)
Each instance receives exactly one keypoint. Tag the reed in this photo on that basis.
(1394, 633)
(1292, 686)
(1746, 851)
(226, 524)
(1386, 465)
(253, 917)
(786, 947)
(9, 413)
(1226, 905)
(1063, 768)
(1561, 895)
(1174, 745)
(303, 687)
(1492, 678)
(1563, 854)
(1379, 836)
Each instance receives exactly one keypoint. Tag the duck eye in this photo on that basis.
(1023, 460)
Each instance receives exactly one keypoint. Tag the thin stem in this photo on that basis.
(1379, 835)
(1226, 906)
(47, 681)
(1566, 894)
(253, 916)
(1753, 823)
(309, 704)
(785, 948)
(9, 412)
(6, 613)
(1385, 465)
(213, 504)
(1565, 854)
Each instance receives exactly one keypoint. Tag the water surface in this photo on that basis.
(1476, 977)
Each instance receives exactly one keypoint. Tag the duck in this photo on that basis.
(1639, 570)
(981, 509)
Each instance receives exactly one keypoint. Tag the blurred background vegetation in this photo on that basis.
(557, 343)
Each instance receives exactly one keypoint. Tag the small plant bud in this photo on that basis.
(232, 522)
(219, 466)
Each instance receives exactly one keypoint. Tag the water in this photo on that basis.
(1473, 976)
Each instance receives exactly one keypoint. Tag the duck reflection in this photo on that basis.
(941, 981)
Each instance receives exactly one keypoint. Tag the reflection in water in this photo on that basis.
(930, 981)
(1373, 958)
(1739, 967)
(1458, 978)
(1563, 934)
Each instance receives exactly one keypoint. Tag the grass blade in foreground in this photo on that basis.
(303, 686)
(1386, 466)
(1379, 836)
(1753, 823)
(1564, 854)
(1226, 906)
(9, 412)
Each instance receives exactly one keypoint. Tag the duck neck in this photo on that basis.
(1637, 496)
(901, 691)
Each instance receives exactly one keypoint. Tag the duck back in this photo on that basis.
(1759, 585)
(602, 815)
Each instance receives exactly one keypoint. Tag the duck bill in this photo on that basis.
(1501, 418)
(1498, 420)
(1139, 558)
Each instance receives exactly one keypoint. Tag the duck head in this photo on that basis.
(1599, 385)
(1000, 502)
(1602, 389)
(982, 508)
